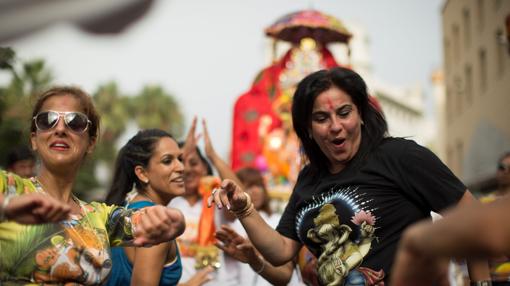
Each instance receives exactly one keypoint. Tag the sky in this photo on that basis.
(207, 53)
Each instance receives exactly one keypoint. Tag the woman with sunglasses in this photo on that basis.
(75, 248)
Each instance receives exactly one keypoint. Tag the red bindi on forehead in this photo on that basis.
(329, 103)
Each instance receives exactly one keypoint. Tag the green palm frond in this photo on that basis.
(21, 253)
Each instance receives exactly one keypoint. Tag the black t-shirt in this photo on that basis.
(356, 217)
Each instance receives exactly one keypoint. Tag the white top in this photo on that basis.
(230, 271)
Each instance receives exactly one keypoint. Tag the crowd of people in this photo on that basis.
(359, 213)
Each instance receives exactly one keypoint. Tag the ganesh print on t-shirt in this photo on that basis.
(339, 226)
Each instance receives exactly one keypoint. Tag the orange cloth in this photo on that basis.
(206, 227)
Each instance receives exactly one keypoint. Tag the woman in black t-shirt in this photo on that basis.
(360, 190)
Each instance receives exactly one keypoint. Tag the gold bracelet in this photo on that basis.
(247, 210)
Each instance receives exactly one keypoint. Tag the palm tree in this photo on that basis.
(153, 107)
(16, 97)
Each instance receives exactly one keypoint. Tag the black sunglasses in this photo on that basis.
(75, 121)
(503, 167)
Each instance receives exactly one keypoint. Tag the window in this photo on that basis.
(468, 83)
(467, 27)
(483, 70)
(460, 157)
(456, 43)
(458, 93)
(481, 20)
(497, 4)
(447, 55)
(449, 157)
(448, 107)
(501, 54)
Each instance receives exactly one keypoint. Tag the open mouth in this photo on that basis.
(338, 141)
(59, 146)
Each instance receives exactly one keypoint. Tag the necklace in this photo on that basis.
(133, 194)
(74, 219)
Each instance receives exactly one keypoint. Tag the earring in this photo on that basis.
(146, 182)
(362, 122)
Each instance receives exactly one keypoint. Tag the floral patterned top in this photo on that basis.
(72, 252)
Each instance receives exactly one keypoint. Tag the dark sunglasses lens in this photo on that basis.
(46, 120)
(76, 121)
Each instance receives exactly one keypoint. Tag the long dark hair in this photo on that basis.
(137, 152)
(374, 130)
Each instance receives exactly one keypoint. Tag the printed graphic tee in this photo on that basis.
(352, 221)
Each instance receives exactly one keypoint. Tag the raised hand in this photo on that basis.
(191, 139)
(208, 147)
(36, 208)
(157, 224)
(235, 245)
(231, 196)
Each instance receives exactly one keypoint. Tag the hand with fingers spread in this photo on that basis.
(231, 196)
(35, 208)
(157, 224)
(235, 245)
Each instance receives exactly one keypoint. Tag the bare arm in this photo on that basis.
(223, 168)
(191, 139)
(276, 248)
(33, 208)
(478, 268)
(157, 224)
(148, 264)
(476, 231)
(242, 250)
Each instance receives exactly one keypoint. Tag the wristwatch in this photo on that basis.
(481, 283)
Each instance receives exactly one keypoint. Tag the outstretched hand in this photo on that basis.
(36, 208)
(229, 195)
(157, 224)
(235, 245)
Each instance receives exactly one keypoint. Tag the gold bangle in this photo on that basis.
(247, 210)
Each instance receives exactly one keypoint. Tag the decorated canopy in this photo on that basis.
(319, 26)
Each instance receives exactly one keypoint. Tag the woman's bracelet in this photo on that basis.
(262, 267)
(481, 283)
(5, 203)
(247, 210)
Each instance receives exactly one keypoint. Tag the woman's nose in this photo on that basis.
(336, 124)
(61, 126)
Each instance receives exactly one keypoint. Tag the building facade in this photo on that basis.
(477, 85)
